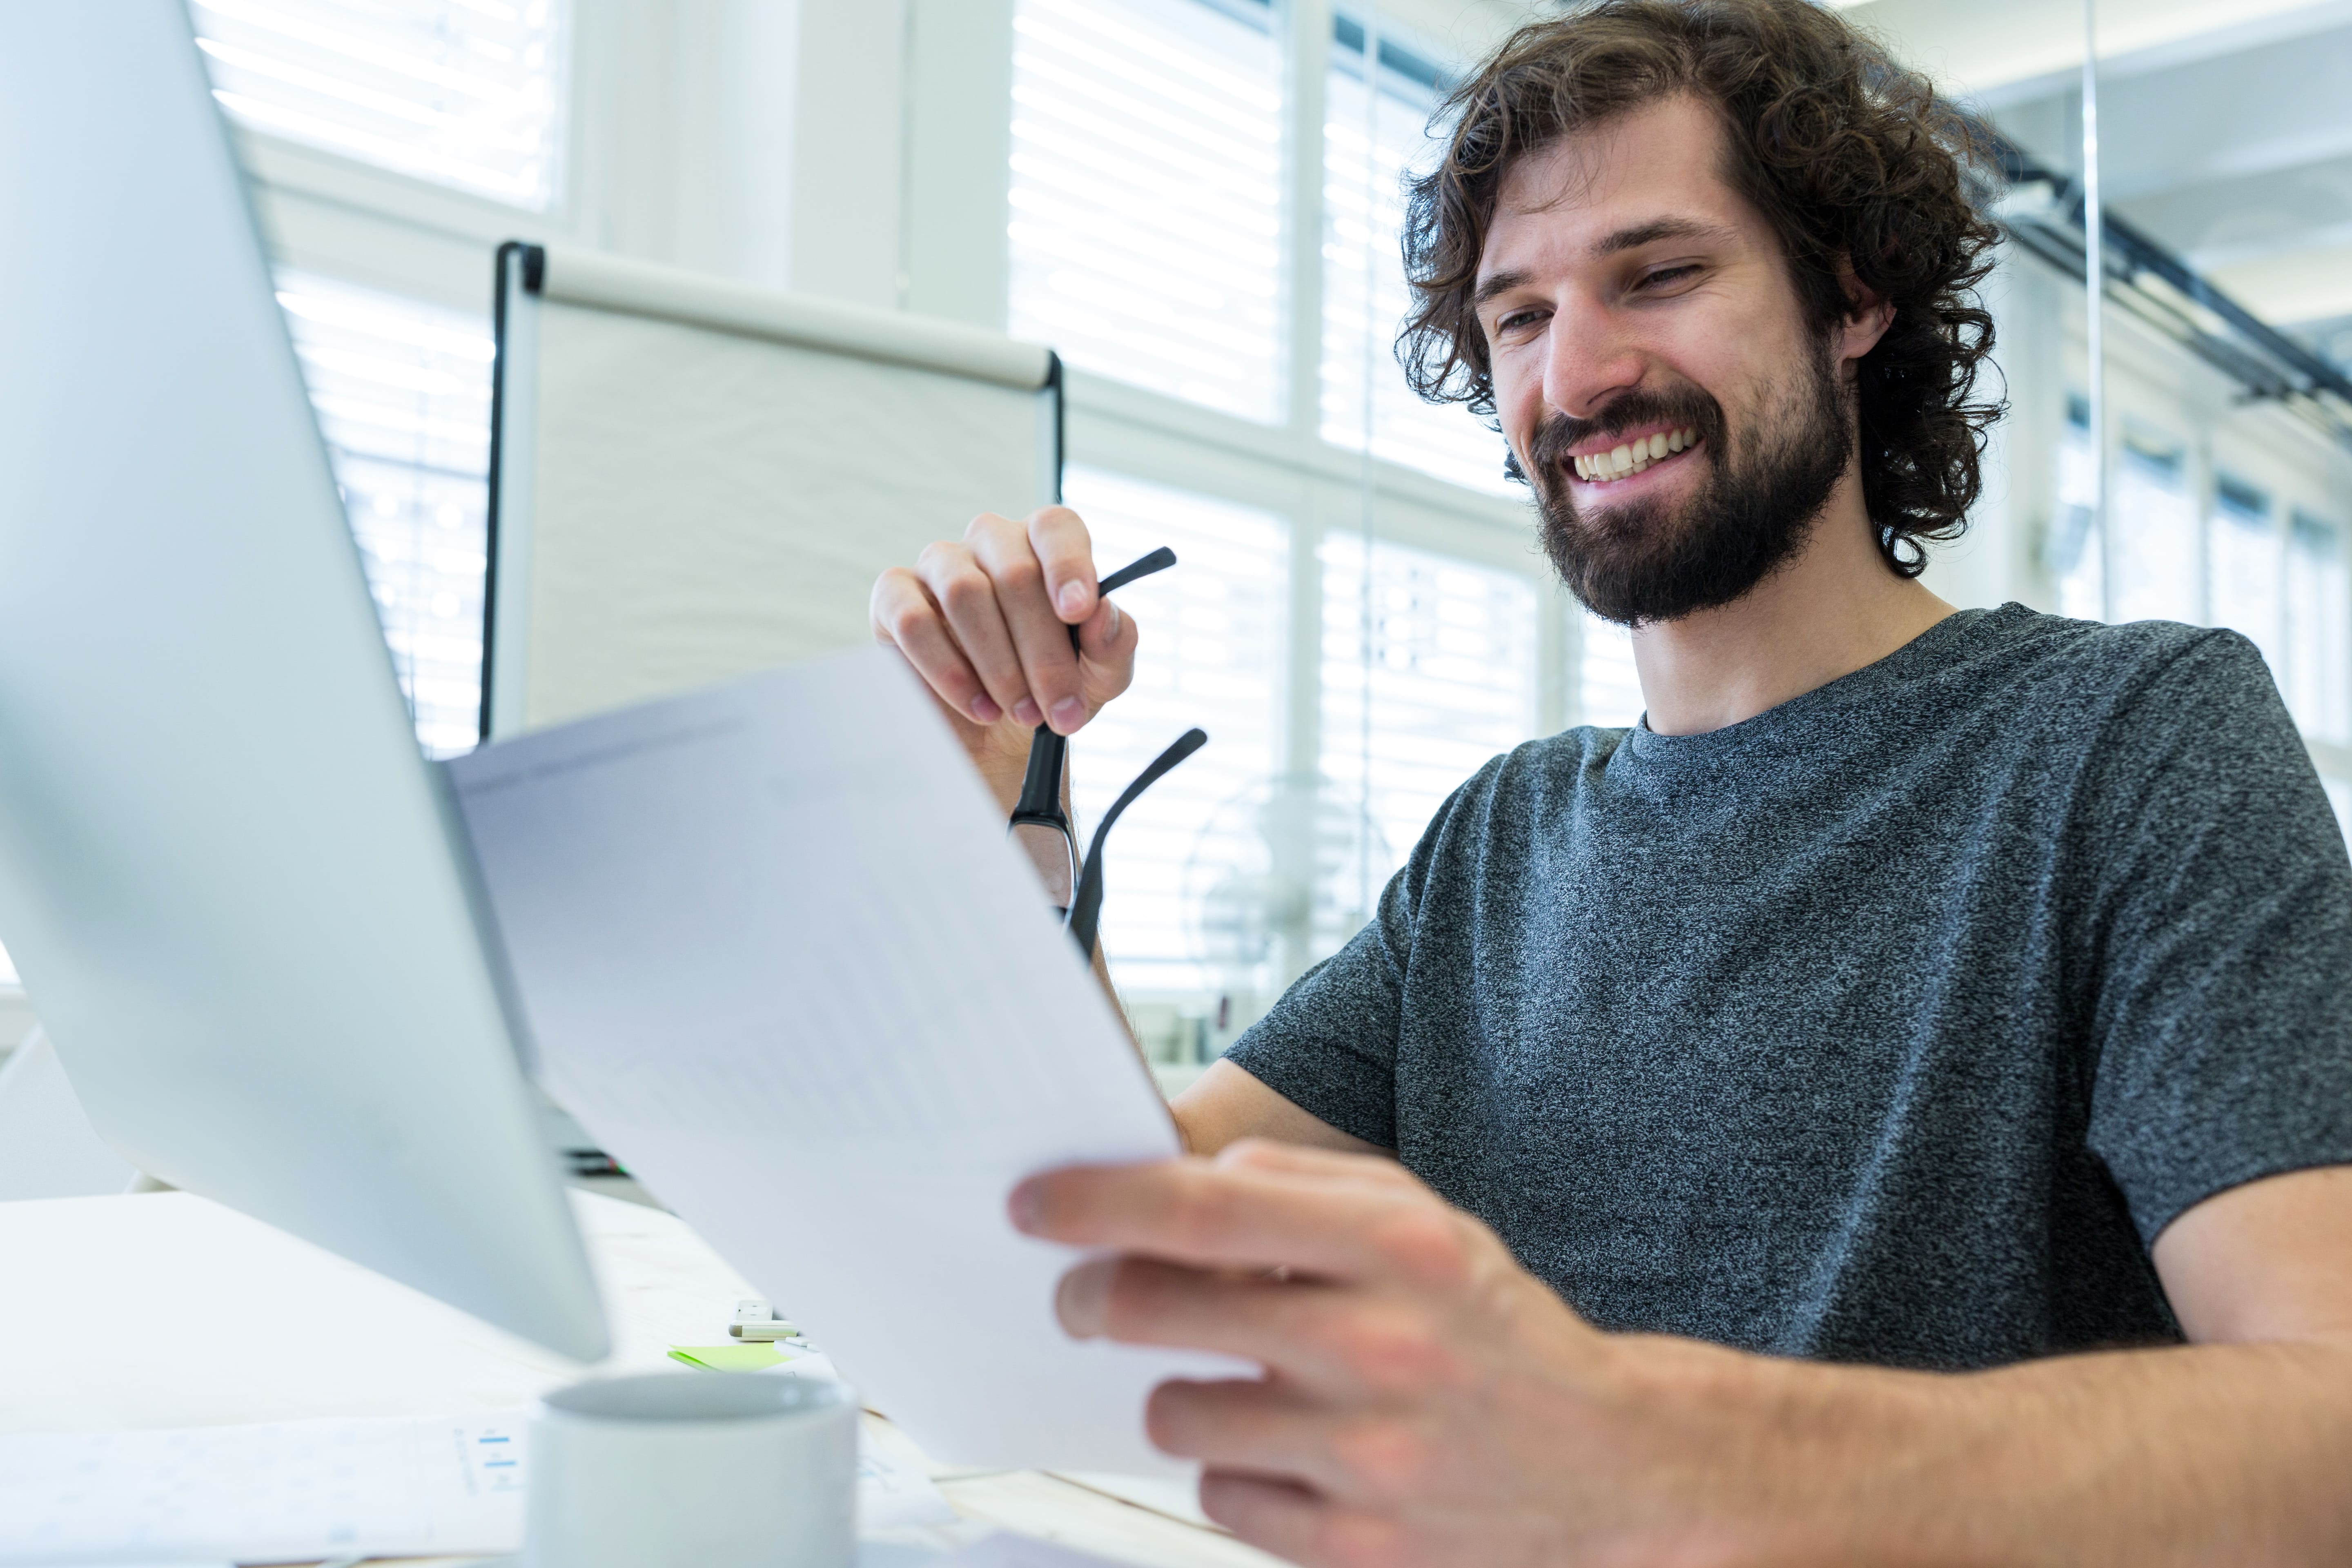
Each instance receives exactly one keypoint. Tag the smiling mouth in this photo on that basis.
(1633, 456)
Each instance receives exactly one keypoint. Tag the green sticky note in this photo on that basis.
(752, 1357)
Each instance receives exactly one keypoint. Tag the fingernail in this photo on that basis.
(1069, 713)
(1073, 600)
(1082, 1301)
(984, 708)
(1110, 620)
(1027, 711)
(1023, 1208)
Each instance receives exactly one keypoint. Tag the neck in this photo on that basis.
(1827, 612)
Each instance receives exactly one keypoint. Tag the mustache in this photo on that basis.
(1548, 449)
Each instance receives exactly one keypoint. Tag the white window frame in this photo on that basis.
(1286, 467)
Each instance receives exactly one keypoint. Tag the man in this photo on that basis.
(1893, 1104)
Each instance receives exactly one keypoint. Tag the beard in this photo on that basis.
(1647, 560)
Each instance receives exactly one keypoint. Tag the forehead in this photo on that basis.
(1662, 162)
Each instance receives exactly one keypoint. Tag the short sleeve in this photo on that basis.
(1329, 1045)
(2220, 935)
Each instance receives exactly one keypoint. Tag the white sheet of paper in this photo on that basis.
(779, 958)
(275, 1490)
(268, 1493)
(894, 1490)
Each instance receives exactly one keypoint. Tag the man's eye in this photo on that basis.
(1665, 275)
(1517, 320)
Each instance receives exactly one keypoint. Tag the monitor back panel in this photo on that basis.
(227, 877)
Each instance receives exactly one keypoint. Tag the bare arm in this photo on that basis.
(1430, 1403)
(1226, 1105)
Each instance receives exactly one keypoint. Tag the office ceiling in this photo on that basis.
(2225, 126)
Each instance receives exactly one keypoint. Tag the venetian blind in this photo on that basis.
(403, 394)
(1429, 669)
(1608, 686)
(467, 93)
(1213, 641)
(1377, 102)
(1147, 194)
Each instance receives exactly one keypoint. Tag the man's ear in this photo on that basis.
(1867, 316)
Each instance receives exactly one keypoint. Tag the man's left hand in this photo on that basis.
(1426, 1400)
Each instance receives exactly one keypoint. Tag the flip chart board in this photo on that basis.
(693, 478)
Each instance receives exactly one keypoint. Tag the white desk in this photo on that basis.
(168, 1311)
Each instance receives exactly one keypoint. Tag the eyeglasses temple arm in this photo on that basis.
(1086, 903)
(1041, 786)
(1159, 560)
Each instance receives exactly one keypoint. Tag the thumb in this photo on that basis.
(1107, 645)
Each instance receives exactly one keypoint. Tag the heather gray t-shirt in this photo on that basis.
(1891, 1025)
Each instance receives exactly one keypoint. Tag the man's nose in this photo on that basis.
(1589, 358)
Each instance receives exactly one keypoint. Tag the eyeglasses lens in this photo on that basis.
(1051, 850)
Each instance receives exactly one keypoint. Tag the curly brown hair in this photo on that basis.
(1853, 160)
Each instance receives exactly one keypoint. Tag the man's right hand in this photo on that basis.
(986, 621)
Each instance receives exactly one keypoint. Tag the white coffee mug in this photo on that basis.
(692, 1469)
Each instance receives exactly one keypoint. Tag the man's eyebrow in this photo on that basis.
(1496, 283)
(1632, 238)
(1642, 233)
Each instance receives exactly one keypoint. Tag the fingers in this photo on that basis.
(1331, 1340)
(1292, 1522)
(954, 577)
(904, 613)
(1365, 1456)
(1067, 554)
(1229, 1216)
(1305, 1160)
(1107, 640)
(1262, 1429)
(1039, 640)
(988, 622)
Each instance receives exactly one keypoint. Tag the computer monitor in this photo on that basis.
(233, 886)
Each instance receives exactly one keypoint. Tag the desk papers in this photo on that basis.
(272, 1493)
(777, 956)
(289, 1491)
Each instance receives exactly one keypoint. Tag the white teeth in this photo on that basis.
(1624, 462)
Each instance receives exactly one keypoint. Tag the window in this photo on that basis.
(1445, 652)
(2155, 518)
(2242, 549)
(403, 395)
(1145, 232)
(1153, 241)
(1608, 689)
(1190, 867)
(2153, 572)
(465, 93)
(2073, 550)
(1374, 136)
(2318, 631)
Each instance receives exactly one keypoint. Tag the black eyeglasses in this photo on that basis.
(1042, 828)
